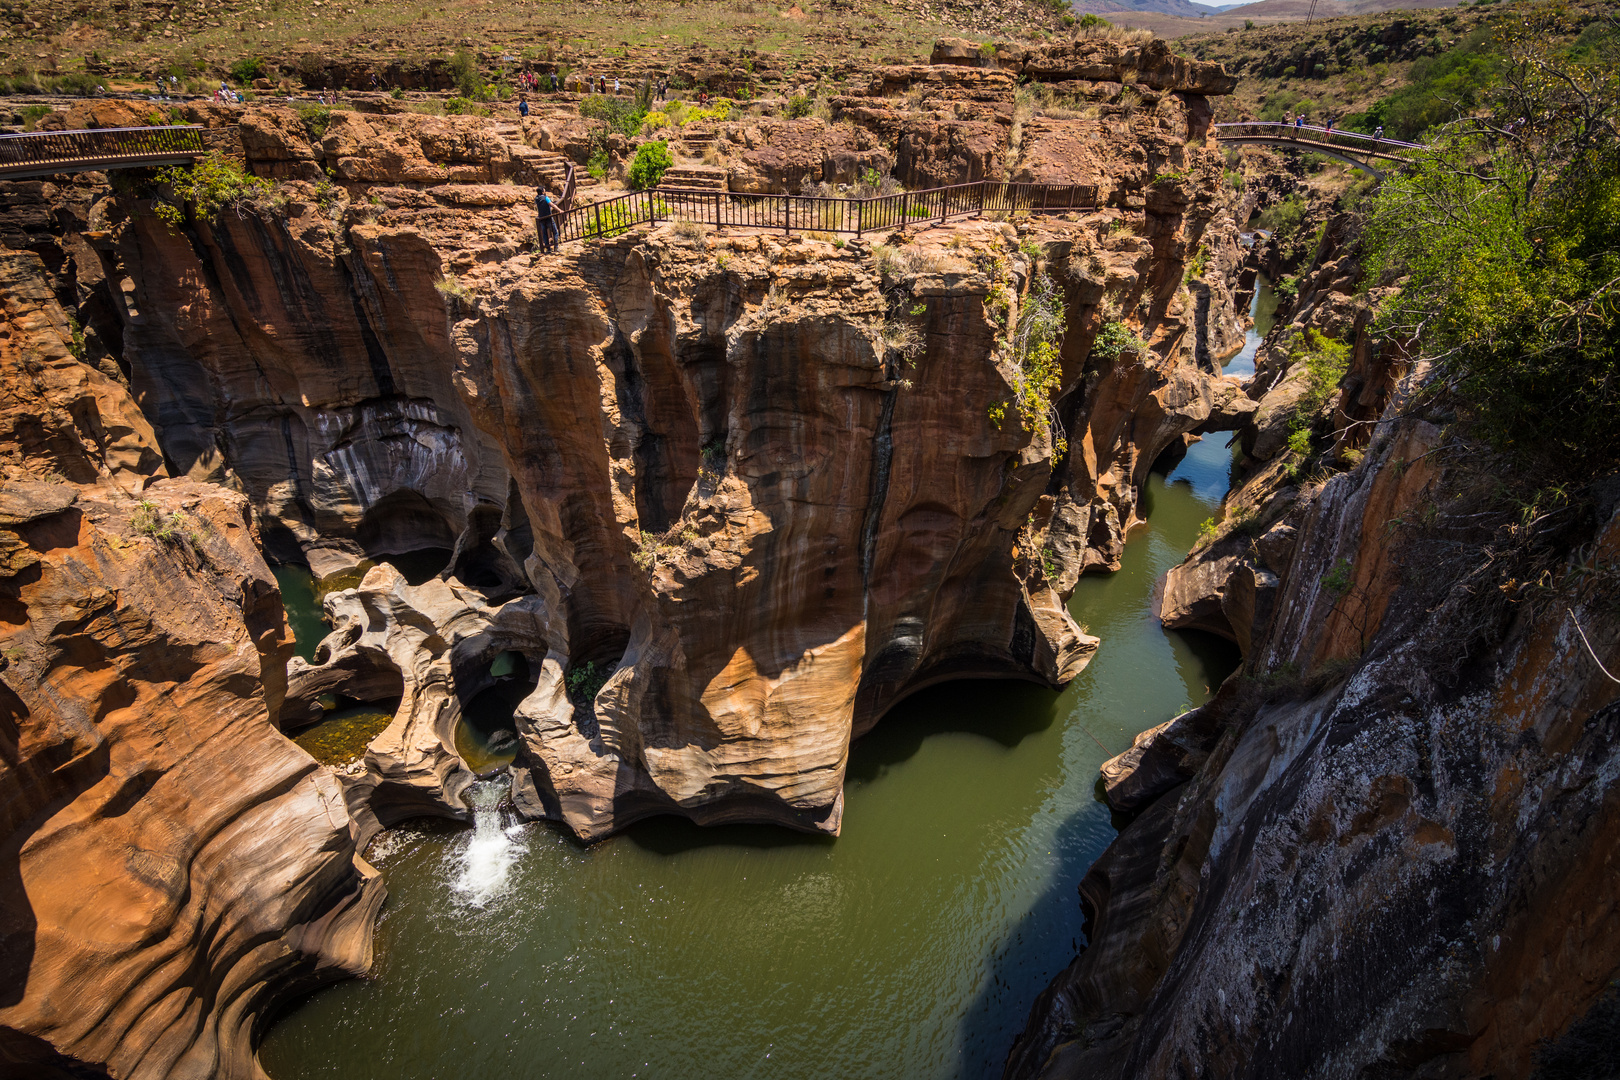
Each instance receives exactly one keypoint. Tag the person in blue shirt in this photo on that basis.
(546, 212)
(523, 106)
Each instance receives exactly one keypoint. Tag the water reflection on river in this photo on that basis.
(909, 947)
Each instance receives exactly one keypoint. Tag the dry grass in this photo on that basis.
(607, 35)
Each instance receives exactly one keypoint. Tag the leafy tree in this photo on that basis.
(1508, 235)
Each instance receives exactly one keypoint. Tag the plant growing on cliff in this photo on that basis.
(1114, 338)
(1339, 579)
(1508, 234)
(1196, 267)
(148, 520)
(75, 338)
(212, 185)
(652, 160)
(585, 681)
(1036, 361)
(451, 287)
(1282, 219)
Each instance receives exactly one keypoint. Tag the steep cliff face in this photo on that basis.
(699, 462)
(1380, 850)
(171, 864)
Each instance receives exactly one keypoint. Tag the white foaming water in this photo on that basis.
(485, 863)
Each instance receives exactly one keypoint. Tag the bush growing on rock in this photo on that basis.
(244, 71)
(213, 184)
(651, 162)
(1510, 249)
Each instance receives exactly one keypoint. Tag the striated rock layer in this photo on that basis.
(710, 465)
(171, 864)
(1389, 846)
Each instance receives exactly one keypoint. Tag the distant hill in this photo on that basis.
(1181, 8)
(1178, 18)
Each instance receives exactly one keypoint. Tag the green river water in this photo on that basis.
(911, 946)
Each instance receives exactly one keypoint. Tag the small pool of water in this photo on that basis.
(910, 947)
(341, 736)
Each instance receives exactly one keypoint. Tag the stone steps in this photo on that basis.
(695, 178)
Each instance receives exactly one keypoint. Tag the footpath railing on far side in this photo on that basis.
(813, 213)
(1276, 129)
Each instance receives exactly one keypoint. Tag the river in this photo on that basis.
(910, 947)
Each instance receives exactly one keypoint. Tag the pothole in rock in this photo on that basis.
(486, 736)
(340, 738)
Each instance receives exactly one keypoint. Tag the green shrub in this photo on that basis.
(316, 118)
(652, 160)
(213, 184)
(1282, 219)
(1339, 579)
(1114, 338)
(33, 114)
(246, 70)
(464, 72)
(799, 106)
(619, 115)
(598, 163)
(1510, 250)
(585, 681)
(1038, 373)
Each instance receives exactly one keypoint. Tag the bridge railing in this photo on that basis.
(1285, 130)
(812, 213)
(42, 148)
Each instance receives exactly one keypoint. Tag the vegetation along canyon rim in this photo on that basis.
(954, 546)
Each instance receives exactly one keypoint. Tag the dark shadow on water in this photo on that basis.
(1216, 656)
(1005, 711)
(670, 835)
(1035, 949)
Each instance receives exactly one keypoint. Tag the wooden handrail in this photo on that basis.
(48, 147)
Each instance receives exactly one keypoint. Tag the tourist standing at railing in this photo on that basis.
(1379, 132)
(546, 219)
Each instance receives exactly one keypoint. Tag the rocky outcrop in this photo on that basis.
(1150, 63)
(774, 525)
(1343, 865)
(172, 866)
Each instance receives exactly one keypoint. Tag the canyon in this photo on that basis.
(709, 505)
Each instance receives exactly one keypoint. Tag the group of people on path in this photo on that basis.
(1298, 123)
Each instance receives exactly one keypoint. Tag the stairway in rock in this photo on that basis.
(537, 168)
(695, 178)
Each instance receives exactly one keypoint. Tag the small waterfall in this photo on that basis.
(483, 865)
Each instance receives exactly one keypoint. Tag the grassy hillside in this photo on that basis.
(45, 40)
(1407, 70)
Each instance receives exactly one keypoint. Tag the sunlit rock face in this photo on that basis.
(170, 864)
(695, 463)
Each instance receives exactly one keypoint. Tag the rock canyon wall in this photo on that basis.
(173, 864)
(1388, 846)
(766, 486)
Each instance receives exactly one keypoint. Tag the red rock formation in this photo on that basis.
(772, 528)
(171, 864)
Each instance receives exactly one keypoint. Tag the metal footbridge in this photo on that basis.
(46, 153)
(1365, 152)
